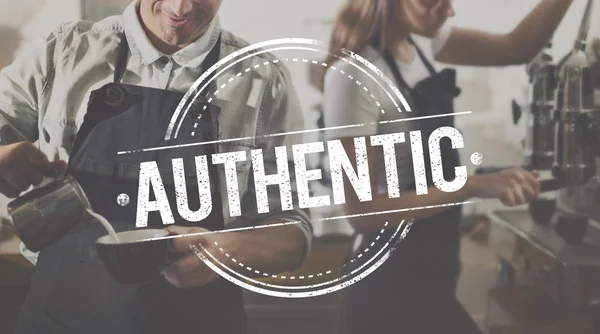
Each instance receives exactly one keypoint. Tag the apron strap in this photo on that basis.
(121, 61)
(393, 65)
(424, 59)
(212, 58)
(450, 86)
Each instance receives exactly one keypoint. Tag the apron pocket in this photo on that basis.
(85, 298)
(46, 273)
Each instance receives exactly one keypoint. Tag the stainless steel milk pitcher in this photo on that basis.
(43, 215)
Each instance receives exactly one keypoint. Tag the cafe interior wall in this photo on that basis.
(486, 92)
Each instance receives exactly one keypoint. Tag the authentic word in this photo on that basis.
(340, 164)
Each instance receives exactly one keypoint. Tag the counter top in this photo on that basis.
(545, 238)
(9, 242)
(14, 268)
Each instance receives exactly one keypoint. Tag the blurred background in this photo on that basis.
(488, 93)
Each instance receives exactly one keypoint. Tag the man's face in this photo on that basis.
(178, 22)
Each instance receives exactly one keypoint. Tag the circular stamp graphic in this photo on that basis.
(221, 83)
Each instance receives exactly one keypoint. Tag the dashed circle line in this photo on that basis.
(350, 77)
(304, 276)
(295, 60)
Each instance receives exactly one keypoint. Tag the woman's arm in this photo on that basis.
(478, 48)
(345, 104)
(513, 187)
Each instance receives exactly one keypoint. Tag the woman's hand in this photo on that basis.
(515, 186)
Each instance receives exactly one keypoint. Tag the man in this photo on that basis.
(95, 89)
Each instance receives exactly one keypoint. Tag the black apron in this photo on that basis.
(414, 290)
(71, 290)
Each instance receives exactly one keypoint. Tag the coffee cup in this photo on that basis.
(572, 228)
(542, 210)
(139, 256)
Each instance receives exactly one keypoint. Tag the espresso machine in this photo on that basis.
(549, 269)
(539, 140)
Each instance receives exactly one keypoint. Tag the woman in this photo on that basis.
(414, 290)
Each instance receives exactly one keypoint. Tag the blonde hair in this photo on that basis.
(358, 24)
